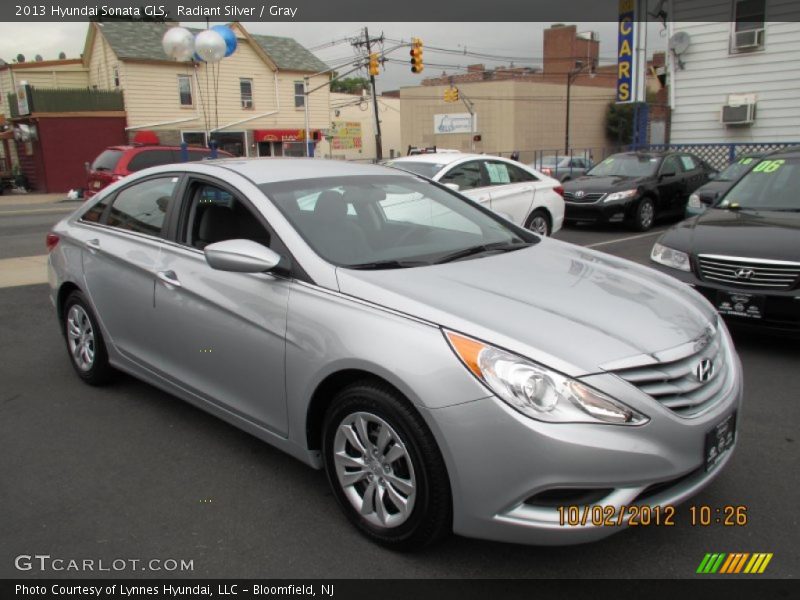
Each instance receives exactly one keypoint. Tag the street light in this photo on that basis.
(579, 67)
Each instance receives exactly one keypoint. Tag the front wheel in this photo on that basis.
(644, 215)
(538, 222)
(385, 468)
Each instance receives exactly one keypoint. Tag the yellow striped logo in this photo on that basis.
(734, 563)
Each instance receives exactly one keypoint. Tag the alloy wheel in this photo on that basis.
(80, 336)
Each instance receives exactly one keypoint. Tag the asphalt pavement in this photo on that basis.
(128, 471)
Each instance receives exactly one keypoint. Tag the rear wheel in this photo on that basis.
(538, 222)
(645, 215)
(385, 468)
(87, 350)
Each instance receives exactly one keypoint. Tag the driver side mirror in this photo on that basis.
(453, 186)
(241, 256)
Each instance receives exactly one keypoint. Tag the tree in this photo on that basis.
(350, 85)
(619, 123)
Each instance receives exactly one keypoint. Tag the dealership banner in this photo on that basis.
(455, 123)
(345, 135)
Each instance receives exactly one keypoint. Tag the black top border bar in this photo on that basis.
(496, 11)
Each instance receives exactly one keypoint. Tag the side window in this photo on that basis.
(518, 175)
(688, 162)
(152, 158)
(143, 206)
(466, 176)
(671, 164)
(195, 155)
(95, 213)
(216, 215)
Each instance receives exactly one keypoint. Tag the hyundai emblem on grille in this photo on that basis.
(704, 370)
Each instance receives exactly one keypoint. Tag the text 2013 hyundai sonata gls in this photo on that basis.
(449, 370)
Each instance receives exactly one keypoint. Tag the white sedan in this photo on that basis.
(528, 197)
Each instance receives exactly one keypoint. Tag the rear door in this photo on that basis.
(219, 334)
(469, 177)
(511, 188)
(121, 246)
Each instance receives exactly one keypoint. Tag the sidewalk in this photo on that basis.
(12, 198)
(25, 270)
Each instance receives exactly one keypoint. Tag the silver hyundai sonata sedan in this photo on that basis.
(448, 369)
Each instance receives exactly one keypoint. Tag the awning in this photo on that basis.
(283, 135)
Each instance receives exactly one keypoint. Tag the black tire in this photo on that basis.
(430, 518)
(644, 215)
(98, 371)
(536, 218)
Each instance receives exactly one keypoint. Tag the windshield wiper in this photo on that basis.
(473, 250)
(388, 264)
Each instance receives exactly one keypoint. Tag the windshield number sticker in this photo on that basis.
(768, 166)
(746, 161)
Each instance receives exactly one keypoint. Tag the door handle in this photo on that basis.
(93, 245)
(168, 277)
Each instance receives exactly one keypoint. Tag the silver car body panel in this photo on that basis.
(574, 310)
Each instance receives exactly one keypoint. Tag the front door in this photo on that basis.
(222, 334)
(511, 189)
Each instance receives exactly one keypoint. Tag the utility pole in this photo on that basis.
(378, 143)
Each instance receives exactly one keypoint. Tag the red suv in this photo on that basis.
(115, 162)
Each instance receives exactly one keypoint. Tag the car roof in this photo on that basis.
(446, 158)
(271, 170)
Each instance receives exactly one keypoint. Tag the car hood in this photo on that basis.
(564, 306)
(768, 234)
(603, 184)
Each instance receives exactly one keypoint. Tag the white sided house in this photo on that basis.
(734, 71)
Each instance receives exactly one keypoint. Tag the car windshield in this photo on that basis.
(734, 170)
(426, 169)
(771, 185)
(390, 221)
(626, 165)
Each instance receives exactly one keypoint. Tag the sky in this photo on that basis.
(519, 41)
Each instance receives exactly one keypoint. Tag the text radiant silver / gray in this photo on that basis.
(450, 370)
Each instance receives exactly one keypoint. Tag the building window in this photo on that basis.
(246, 91)
(299, 94)
(194, 138)
(116, 76)
(748, 25)
(185, 90)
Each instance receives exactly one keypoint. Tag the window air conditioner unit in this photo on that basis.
(740, 110)
(746, 40)
(247, 103)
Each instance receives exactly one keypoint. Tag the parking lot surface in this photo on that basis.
(128, 471)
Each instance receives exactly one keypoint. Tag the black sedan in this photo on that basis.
(708, 194)
(635, 187)
(743, 254)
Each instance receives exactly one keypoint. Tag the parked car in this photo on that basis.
(635, 187)
(116, 162)
(706, 195)
(743, 253)
(458, 373)
(521, 193)
(563, 168)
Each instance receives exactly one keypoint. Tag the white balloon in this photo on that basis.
(178, 43)
(210, 46)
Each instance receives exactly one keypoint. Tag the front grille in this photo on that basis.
(675, 383)
(749, 273)
(587, 198)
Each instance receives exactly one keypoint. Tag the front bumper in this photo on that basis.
(501, 461)
(598, 212)
(781, 308)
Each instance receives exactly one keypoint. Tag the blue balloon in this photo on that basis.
(229, 36)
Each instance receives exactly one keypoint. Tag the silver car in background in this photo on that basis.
(449, 370)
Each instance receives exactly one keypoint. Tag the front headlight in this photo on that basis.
(539, 392)
(624, 195)
(670, 257)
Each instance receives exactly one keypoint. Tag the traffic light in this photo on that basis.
(374, 67)
(451, 94)
(416, 55)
